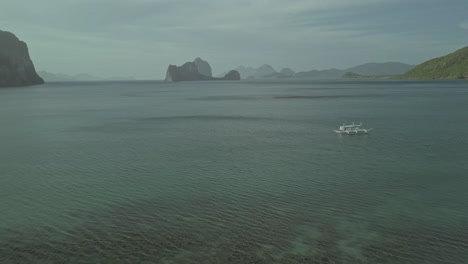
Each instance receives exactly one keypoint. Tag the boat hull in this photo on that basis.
(353, 129)
(351, 132)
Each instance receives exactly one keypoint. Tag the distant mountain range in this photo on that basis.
(368, 69)
(381, 69)
(283, 73)
(451, 66)
(250, 72)
(321, 74)
(61, 77)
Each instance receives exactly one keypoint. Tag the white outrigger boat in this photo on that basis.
(352, 129)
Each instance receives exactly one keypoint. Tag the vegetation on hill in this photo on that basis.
(451, 66)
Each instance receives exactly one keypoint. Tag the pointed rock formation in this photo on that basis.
(16, 67)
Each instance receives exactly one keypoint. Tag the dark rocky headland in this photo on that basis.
(198, 70)
(16, 67)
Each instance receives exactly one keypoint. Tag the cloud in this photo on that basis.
(464, 25)
(144, 36)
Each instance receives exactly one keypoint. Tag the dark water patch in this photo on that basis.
(227, 98)
(151, 123)
(245, 98)
(208, 118)
(102, 83)
(147, 93)
(341, 96)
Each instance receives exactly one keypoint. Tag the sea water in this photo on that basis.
(234, 172)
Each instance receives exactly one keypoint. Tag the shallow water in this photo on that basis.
(234, 172)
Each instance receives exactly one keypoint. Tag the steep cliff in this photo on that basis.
(16, 67)
(186, 72)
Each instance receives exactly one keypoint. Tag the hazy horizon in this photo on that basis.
(140, 38)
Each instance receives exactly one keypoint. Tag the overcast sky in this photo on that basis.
(141, 37)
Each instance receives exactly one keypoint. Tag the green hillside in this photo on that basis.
(451, 66)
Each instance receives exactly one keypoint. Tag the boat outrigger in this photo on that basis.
(353, 129)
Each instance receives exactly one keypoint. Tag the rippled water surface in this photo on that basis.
(234, 172)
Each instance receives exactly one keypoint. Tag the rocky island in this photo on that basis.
(16, 67)
(198, 70)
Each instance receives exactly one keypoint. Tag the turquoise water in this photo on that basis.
(234, 172)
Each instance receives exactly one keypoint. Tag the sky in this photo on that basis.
(140, 38)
